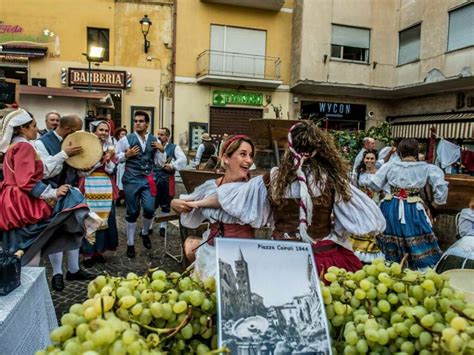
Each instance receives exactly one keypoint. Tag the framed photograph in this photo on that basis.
(269, 298)
(151, 112)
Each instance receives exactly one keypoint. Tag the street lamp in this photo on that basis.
(96, 55)
(145, 23)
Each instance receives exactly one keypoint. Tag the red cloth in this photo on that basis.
(334, 255)
(467, 159)
(172, 186)
(152, 184)
(230, 230)
(22, 170)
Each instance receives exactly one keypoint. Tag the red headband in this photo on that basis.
(232, 139)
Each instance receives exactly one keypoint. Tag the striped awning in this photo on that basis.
(447, 125)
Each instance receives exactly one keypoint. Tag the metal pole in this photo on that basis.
(89, 88)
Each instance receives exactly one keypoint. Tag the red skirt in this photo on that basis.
(327, 254)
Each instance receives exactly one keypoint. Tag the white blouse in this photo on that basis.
(405, 175)
(198, 215)
(249, 203)
(466, 222)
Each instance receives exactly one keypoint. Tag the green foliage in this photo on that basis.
(350, 142)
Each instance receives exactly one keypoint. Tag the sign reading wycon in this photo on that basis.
(113, 79)
(334, 110)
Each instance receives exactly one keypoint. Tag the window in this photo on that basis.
(237, 51)
(461, 28)
(98, 37)
(350, 43)
(409, 45)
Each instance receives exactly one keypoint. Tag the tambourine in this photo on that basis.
(91, 149)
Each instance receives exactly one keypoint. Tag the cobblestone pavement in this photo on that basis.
(118, 264)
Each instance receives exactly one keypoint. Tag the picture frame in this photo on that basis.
(151, 112)
(264, 307)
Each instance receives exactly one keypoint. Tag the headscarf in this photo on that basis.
(230, 140)
(95, 124)
(306, 204)
(9, 123)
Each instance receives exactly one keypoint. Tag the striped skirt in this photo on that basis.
(414, 238)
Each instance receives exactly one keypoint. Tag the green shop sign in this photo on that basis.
(223, 98)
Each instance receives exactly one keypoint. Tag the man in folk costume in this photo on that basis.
(175, 160)
(142, 153)
(57, 173)
(205, 150)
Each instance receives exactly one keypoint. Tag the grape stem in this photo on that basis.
(418, 320)
(182, 324)
(460, 312)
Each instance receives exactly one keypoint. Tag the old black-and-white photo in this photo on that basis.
(269, 299)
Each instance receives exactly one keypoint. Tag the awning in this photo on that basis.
(103, 98)
(458, 125)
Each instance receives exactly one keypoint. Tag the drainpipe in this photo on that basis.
(173, 68)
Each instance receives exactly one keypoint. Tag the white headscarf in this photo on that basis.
(8, 123)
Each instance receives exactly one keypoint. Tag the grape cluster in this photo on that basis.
(383, 309)
(162, 314)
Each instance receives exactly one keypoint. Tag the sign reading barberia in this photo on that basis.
(114, 79)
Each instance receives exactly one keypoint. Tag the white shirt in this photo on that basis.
(53, 164)
(123, 145)
(179, 160)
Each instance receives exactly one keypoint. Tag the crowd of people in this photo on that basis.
(350, 215)
(51, 209)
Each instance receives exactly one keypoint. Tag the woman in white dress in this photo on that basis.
(365, 246)
(236, 159)
(409, 230)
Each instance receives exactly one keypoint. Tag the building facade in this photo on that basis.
(233, 63)
(411, 62)
(44, 45)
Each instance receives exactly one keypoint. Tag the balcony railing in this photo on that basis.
(238, 65)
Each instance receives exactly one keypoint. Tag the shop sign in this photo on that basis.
(112, 79)
(14, 61)
(463, 100)
(334, 110)
(223, 98)
(5, 28)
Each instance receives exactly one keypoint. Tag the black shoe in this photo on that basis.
(130, 251)
(146, 241)
(89, 262)
(80, 275)
(99, 258)
(57, 282)
(150, 231)
(162, 232)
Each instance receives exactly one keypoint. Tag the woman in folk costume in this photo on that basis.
(34, 217)
(100, 193)
(301, 196)
(409, 230)
(236, 159)
(365, 246)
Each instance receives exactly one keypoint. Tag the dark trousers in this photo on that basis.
(138, 195)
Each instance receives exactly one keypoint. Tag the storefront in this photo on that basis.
(335, 115)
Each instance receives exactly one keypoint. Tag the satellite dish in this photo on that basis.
(249, 327)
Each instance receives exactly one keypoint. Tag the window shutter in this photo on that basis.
(350, 36)
(409, 45)
(461, 27)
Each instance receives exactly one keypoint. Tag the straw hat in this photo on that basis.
(206, 137)
(91, 149)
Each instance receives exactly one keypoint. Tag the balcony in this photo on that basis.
(226, 68)
(272, 5)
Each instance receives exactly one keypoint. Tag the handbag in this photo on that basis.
(10, 272)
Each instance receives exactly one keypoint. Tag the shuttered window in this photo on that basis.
(461, 27)
(409, 45)
(350, 43)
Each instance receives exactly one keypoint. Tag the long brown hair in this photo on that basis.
(324, 164)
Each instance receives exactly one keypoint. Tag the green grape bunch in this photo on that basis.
(158, 313)
(383, 309)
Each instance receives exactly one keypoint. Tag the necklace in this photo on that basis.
(409, 158)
